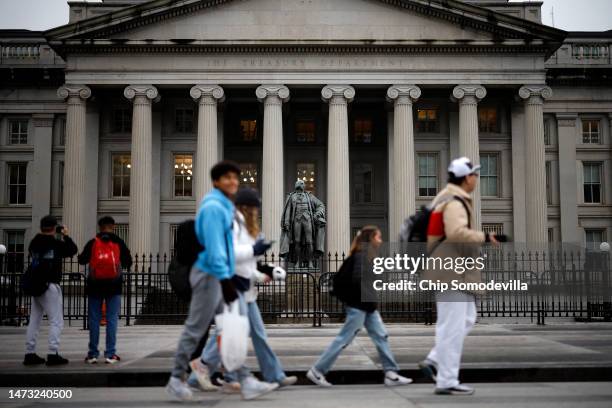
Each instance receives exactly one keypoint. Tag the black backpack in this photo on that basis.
(341, 287)
(187, 247)
(34, 281)
(414, 228)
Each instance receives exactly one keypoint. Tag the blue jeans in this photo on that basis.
(113, 304)
(355, 320)
(270, 365)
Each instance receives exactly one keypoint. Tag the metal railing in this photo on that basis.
(563, 284)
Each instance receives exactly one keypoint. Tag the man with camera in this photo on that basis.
(46, 250)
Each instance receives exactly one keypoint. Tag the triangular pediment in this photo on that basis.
(303, 21)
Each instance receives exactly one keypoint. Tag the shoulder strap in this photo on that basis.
(467, 210)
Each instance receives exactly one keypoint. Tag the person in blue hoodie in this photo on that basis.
(210, 280)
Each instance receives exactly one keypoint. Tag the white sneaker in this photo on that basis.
(202, 374)
(252, 388)
(179, 390)
(459, 389)
(316, 377)
(393, 379)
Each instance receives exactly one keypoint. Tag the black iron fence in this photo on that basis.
(563, 284)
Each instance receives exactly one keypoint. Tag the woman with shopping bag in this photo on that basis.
(247, 274)
(359, 314)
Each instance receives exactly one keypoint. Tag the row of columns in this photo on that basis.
(402, 191)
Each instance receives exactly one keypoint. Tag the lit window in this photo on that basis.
(363, 183)
(17, 175)
(427, 120)
(307, 172)
(183, 120)
(122, 166)
(18, 131)
(122, 120)
(592, 182)
(428, 174)
(248, 130)
(183, 175)
(487, 120)
(248, 175)
(305, 131)
(362, 132)
(489, 175)
(590, 132)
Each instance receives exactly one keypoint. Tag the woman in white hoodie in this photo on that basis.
(248, 245)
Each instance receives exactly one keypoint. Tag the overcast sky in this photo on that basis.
(571, 15)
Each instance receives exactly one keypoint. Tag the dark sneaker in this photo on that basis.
(33, 359)
(430, 369)
(55, 360)
(91, 360)
(457, 390)
(112, 359)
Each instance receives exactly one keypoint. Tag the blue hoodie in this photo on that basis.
(213, 227)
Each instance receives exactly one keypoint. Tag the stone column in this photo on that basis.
(141, 180)
(404, 183)
(273, 163)
(568, 176)
(207, 96)
(338, 188)
(74, 214)
(535, 168)
(43, 149)
(468, 97)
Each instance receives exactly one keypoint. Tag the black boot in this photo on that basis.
(33, 359)
(56, 359)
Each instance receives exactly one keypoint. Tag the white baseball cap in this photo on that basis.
(462, 167)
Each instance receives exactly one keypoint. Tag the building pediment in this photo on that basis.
(186, 24)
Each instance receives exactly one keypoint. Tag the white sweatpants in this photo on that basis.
(49, 303)
(456, 315)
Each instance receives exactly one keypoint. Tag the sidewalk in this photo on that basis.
(493, 353)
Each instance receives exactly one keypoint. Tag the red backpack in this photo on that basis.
(105, 262)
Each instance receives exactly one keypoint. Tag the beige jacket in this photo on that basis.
(450, 219)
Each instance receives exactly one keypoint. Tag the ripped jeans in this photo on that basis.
(355, 320)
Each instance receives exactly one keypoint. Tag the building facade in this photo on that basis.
(123, 110)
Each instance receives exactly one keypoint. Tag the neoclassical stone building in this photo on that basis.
(123, 110)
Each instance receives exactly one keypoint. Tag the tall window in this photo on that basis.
(308, 173)
(305, 131)
(591, 132)
(248, 130)
(548, 182)
(122, 120)
(183, 175)
(592, 182)
(60, 198)
(362, 130)
(363, 173)
(183, 120)
(489, 175)
(122, 166)
(551, 235)
(17, 175)
(427, 120)
(15, 251)
(594, 237)
(248, 175)
(173, 232)
(18, 131)
(487, 119)
(428, 174)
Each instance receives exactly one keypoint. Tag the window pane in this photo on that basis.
(362, 130)
(248, 175)
(426, 120)
(17, 177)
(183, 175)
(305, 131)
(248, 130)
(307, 172)
(363, 183)
(487, 119)
(121, 169)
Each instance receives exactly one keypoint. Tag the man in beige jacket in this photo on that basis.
(450, 235)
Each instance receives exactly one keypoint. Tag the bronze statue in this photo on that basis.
(303, 228)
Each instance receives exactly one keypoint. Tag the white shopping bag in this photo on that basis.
(234, 329)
